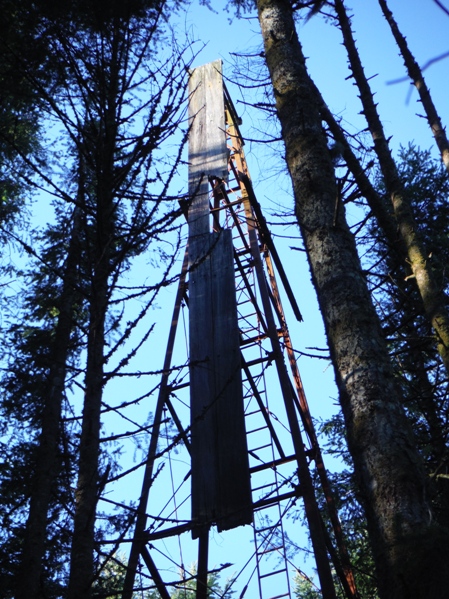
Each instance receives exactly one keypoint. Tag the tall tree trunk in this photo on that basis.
(434, 299)
(86, 496)
(47, 459)
(102, 153)
(387, 464)
(415, 74)
(87, 489)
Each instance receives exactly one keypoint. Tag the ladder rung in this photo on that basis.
(258, 361)
(265, 487)
(263, 503)
(273, 573)
(243, 252)
(249, 328)
(248, 340)
(256, 430)
(254, 340)
(243, 271)
(245, 268)
(273, 464)
(250, 315)
(279, 596)
(246, 331)
(177, 387)
(253, 451)
(270, 550)
(252, 413)
(243, 302)
(272, 527)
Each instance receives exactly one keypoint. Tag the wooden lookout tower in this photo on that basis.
(241, 450)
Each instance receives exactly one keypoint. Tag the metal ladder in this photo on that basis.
(264, 447)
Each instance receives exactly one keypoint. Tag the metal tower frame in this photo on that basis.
(282, 449)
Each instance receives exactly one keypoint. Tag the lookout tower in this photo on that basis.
(240, 449)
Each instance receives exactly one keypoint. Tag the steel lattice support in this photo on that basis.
(276, 457)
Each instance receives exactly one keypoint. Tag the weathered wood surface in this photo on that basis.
(207, 141)
(220, 471)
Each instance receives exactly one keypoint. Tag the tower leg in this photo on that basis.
(203, 550)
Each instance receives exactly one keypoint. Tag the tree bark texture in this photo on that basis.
(86, 495)
(87, 489)
(387, 464)
(47, 461)
(415, 74)
(434, 299)
(82, 570)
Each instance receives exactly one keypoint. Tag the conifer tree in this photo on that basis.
(113, 205)
(434, 300)
(387, 464)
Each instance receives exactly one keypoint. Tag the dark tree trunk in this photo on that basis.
(47, 458)
(86, 496)
(102, 153)
(87, 489)
(433, 298)
(387, 464)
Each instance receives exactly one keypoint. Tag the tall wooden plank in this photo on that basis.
(207, 141)
(234, 488)
(202, 446)
(220, 471)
